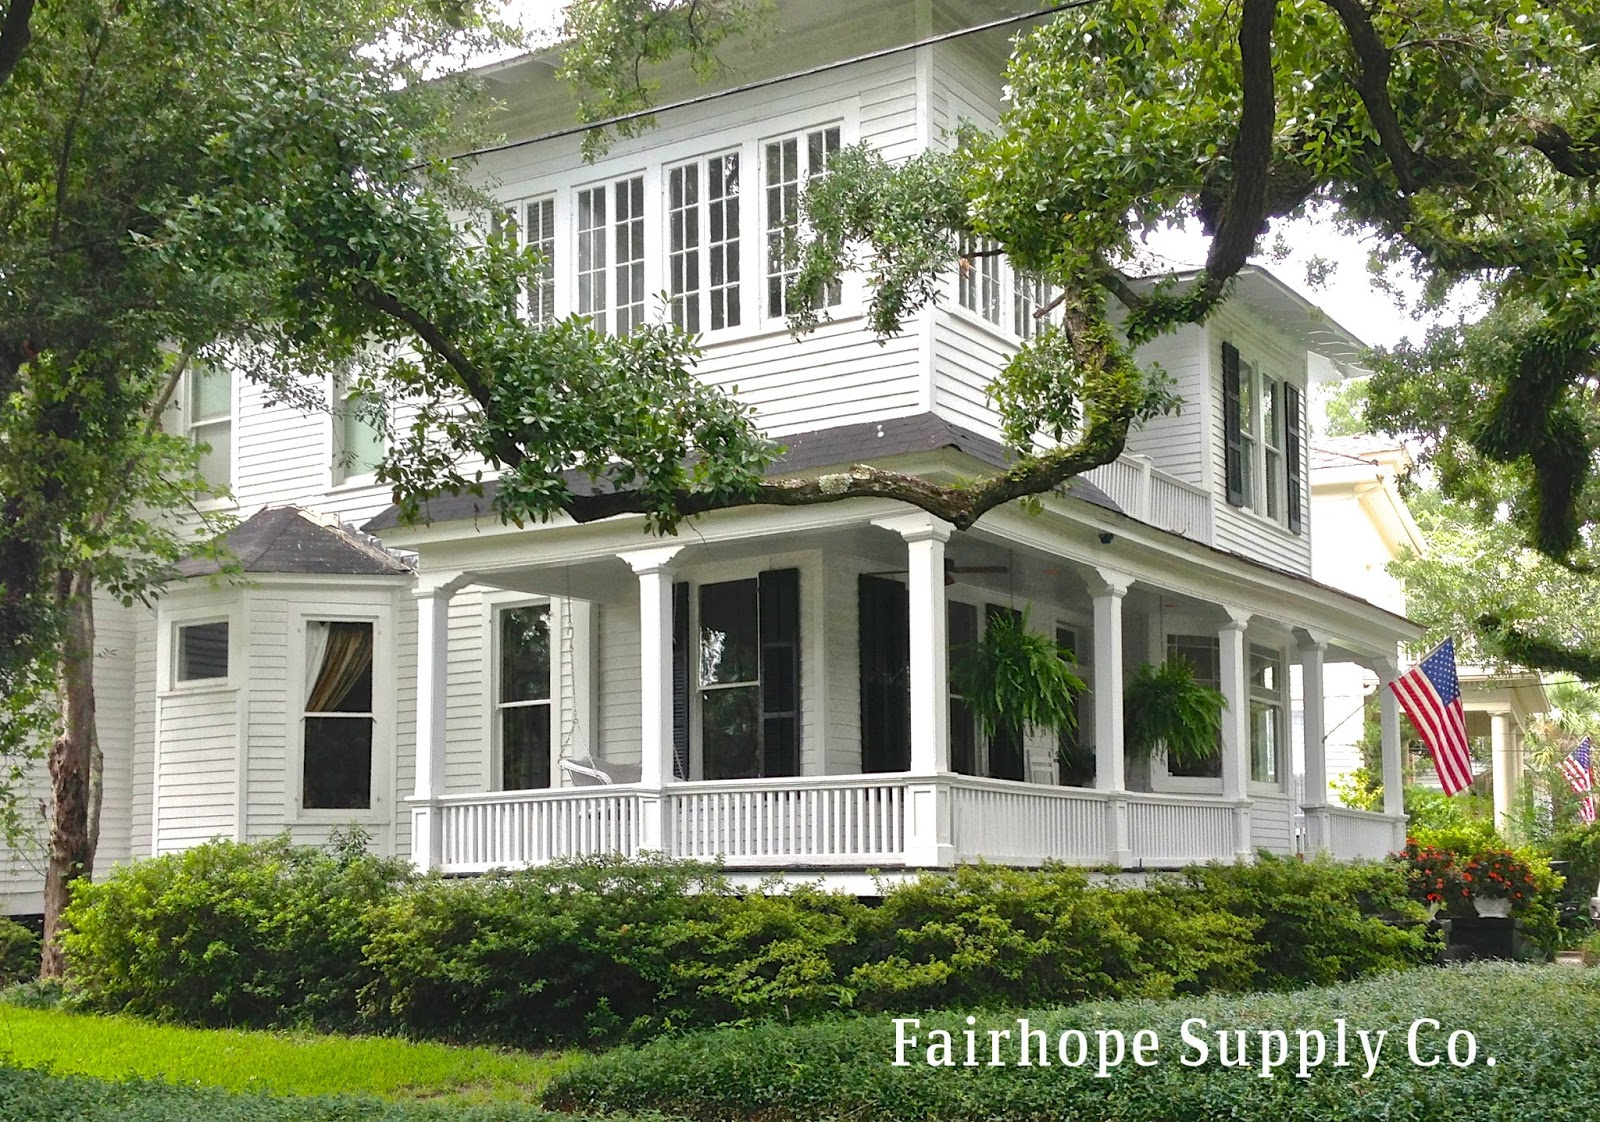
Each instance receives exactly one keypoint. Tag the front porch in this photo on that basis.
(838, 765)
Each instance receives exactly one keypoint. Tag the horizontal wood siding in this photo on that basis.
(196, 770)
(1177, 443)
(466, 764)
(619, 703)
(275, 691)
(116, 636)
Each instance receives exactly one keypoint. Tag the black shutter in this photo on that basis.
(1005, 746)
(778, 612)
(1232, 443)
(680, 680)
(884, 623)
(1292, 452)
(963, 637)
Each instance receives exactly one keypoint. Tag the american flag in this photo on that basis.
(1586, 809)
(1431, 696)
(1576, 767)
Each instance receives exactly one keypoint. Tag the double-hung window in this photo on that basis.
(1029, 294)
(1261, 422)
(1204, 654)
(703, 243)
(790, 163)
(336, 765)
(750, 676)
(978, 284)
(522, 700)
(208, 421)
(359, 434)
(1266, 714)
(1074, 756)
(610, 259)
(539, 235)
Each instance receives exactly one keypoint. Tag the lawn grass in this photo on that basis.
(279, 1063)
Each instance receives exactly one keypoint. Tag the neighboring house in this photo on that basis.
(1362, 525)
(771, 687)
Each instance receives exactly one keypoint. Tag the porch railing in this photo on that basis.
(510, 829)
(1026, 824)
(1179, 829)
(1358, 833)
(1134, 483)
(854, 820)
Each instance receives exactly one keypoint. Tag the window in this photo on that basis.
(336, 770)
(1271, 414)
(750, 676)
(1075, 758)
(703, 243)
(1204, 653)
(359, 438)
(1261, 419)
(610, 225)
(790, 164)
(1266, 713)
(208, 418)
(1249, 423)
(202, 652)
(884, 633)
(539, 235)
(978, 285)
(1029, 294)
(522, 700)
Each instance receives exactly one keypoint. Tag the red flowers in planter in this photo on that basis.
(1501, 874)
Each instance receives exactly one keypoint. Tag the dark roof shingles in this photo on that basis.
(285, 540)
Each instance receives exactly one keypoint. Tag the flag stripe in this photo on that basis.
(1431, 696)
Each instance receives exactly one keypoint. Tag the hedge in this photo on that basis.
(607, 949)
(1536, 1021)
(29, 1096)
(19, 952)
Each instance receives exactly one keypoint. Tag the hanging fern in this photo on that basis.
(1165, 709)
(1016, 678)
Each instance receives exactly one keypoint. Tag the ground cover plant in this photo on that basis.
(1535, 1021)
(68, 1043)
(605, 949)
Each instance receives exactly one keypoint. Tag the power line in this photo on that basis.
(701, 99)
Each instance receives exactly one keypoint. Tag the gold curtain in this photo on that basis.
(347, 658)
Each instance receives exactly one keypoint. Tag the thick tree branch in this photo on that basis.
(1245, 208)
(1534, 653)
(1373, 62)
(15, 35)
(1569, 155)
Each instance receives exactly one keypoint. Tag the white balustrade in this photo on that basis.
(1153, 496)
(1013, 823)
(854, 820)
(1172, 830)
(513, 829)
(1356, 834)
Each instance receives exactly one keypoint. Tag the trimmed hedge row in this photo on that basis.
(1536, 1021)
(29, 1096)
(271, 935)
(19, 953)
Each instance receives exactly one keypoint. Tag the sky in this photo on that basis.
(1345, 291)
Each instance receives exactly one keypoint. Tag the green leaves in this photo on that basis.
(1166, 710)
(1018, 678)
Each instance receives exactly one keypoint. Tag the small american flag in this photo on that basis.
(1430, 693)
(1576, 767)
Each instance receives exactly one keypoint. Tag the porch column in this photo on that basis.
(1110, 766)
(1503, 765)
(1313, 648)
(1236, 728)
(928, 836)
(1394, 803)
(433, 644)
(654, 569)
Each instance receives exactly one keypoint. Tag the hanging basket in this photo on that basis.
(1165, 709)
(1015, 678)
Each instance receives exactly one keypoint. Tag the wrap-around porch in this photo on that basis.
(773, 690)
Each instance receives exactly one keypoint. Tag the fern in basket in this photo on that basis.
(1164, 708)
(1015, 678)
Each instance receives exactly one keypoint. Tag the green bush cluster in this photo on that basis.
(609, 949)
(1532, 1020)
(19, 953)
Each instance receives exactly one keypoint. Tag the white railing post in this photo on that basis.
(1394, 799)
(1143, 504)
(654, 569)
(1110, 767)
(433, 648)
(1236, 727)
(1313, 648)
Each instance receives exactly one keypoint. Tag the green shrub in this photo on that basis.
(1590, 950)
(226, 933)
(1579, 847)
(19, 953)
(1535, 1021)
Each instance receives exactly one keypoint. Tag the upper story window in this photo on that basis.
(703, 243)
(790, 163)
(1262, 419)
(978, 285)
(359, 439)
(610, 258)
(539, 234)
(1029, 296)
(208, 421)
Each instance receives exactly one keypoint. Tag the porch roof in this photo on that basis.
(286, 540)
(805, 451)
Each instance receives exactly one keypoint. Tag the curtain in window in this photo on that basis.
(346, 657)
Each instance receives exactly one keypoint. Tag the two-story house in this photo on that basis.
(771, 687)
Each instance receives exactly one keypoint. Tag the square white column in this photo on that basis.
(654, 569)
(1107, 590)
(1313, 651)
(1236, 727)
(1394, 802)
(433, 647)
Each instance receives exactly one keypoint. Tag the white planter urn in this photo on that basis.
(1497, 907)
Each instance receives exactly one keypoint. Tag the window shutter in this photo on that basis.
(778, 592)
(680, 680)
(1006, 759)
(1232, 444)
(1292, 453)
(884, 626)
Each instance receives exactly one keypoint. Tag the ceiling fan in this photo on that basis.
(951, 570)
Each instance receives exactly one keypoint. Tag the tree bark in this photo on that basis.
(71, 854)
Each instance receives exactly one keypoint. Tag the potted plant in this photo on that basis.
(1015, 678)
(1166, 709)
(1500, 882)
(1433, 878)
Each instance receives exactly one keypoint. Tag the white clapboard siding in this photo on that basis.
(617, 628)
(273, 691)
(1272, 823)
(141, 837)
(468, 674)
(116, 636)
(405, 733)
(1177, 443)
(197, 737)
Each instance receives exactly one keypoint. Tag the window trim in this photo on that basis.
(741, 245)
(1255, 375)
(837, 309)
(172, 614)
(380, 810)
(184, 401)
(340, 478)
(1280, 700)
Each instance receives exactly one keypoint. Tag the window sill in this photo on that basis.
(1263, 520)
(360, 483)
(341, 817)
(199, 689)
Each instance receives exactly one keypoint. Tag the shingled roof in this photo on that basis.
(287, 540)
(806, 451)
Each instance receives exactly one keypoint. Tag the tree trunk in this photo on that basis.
(71, 853)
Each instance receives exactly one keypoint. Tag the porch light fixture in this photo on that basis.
(1107, 537)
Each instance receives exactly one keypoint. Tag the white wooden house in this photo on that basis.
(771, 687)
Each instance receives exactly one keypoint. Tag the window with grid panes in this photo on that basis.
(610, 258)
(978, 284)
(788, 165)
(703, 243)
